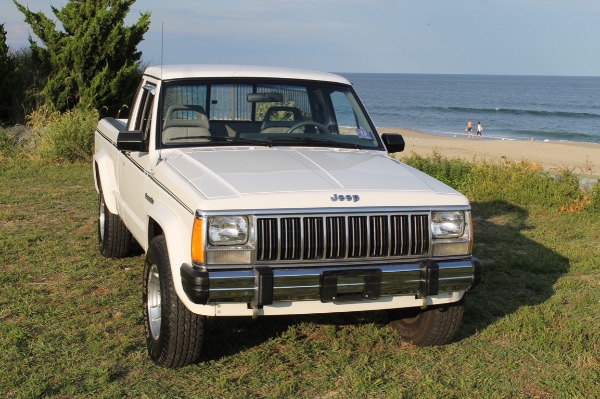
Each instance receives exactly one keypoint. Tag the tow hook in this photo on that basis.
(254, 311)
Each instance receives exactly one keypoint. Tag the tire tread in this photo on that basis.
(431, 327)
(184, 330)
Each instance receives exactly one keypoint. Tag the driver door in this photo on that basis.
(134, 167)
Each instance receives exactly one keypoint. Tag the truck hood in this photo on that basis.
(306, 177)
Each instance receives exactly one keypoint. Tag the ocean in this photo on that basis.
(552, 108)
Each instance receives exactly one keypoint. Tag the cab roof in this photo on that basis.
(189, 71)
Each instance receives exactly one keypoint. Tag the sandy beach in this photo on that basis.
(582, 158)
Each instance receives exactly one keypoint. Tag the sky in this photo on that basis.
(498, 37)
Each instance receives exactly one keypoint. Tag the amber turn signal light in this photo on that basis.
(198, 241)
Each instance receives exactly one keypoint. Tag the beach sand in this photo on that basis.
(583, 159)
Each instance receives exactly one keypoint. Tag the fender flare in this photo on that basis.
(105, 179)
(178, 237)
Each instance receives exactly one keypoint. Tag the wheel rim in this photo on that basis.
(153, 303)
(101, 218)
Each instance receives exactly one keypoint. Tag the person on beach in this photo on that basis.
(479, 130)
(469, 128)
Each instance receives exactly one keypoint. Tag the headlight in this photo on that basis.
(448, 224)
(228, 230)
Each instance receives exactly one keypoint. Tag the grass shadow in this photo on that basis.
(228, 336)
(518, 271)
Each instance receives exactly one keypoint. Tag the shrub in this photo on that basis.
(9, 143)
(594, 205)
(63, 137)
(454, 172)
(516, 182)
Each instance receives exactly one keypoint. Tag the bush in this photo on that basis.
(9, 143)
(63, 137)
(454, 172)
(595, 198)
(520, 183)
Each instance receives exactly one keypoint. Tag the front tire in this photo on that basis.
(113, 236)
(173, 334)
(432, 326)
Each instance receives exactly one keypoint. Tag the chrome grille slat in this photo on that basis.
(267, 236)
(400, 235)
(358, 235)
(336, 237)
(420, 229)
(313, 238)
(291, 238)
(378, 236)
(322, 237)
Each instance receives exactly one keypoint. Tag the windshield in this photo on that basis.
(270, 113)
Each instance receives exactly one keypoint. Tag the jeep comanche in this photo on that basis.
(261, 191)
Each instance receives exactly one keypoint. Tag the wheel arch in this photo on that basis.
(176, 228)
(105, 179)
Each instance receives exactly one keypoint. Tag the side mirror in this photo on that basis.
(394, 142)
(131, 140)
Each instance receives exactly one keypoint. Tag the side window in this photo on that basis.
(147, 116)
(144, 119)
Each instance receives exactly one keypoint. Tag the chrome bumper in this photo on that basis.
(265, 285)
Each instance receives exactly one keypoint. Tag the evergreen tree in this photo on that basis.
(5, 73)
(93, 61)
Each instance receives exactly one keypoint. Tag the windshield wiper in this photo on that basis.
(225, 139)
(312, 141)
(241, 140)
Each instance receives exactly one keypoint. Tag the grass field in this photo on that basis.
(71, 321)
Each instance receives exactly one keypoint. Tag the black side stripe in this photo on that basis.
(106, 138)
(166, 190)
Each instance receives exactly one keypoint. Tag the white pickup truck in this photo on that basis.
(268, 191)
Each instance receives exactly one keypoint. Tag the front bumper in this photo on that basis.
(264, 285)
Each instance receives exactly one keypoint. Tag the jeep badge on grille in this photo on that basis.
(347, 197)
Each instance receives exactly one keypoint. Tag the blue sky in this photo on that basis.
(514, 37)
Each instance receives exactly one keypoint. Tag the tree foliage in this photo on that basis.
(93, 60)
(5, 72)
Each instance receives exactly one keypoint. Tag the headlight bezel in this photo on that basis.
(448, 224)
(210, 249)
(457, 243)
(228, 231)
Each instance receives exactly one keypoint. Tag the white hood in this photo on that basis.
(306, 177)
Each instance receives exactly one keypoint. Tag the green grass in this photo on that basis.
(71, 321)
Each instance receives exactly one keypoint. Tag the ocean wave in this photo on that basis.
(521, 135)
(512, 111)
(555, 136)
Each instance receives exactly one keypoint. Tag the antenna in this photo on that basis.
(162, 45)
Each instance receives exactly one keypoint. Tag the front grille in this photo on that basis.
(314, 238)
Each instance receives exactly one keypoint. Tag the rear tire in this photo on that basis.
(432, 326)
(173, 334)
(113, 236)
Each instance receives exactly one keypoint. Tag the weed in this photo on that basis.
(63, 137)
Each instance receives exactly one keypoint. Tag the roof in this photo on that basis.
(187, 71)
